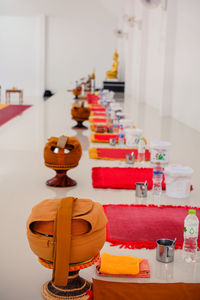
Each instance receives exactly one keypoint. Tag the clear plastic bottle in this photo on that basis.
(191, 231)
(115, 125)
(157, 181)
(141, 150)
(108, 118)
(112, 115)
(121, 135)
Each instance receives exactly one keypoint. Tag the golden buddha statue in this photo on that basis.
(114, 72)
(93, 75)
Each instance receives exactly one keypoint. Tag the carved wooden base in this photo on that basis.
(76, 288)
(61, 180)
(79, 125)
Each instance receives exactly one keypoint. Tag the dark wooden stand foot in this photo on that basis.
(79, 125)
(76, 288)
(61, 180)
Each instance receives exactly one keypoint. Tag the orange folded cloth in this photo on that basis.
(144, 271)
(119, 264)
(94, 126)
(96, 106)
(2, 106)
(98, 114)
(97, 120)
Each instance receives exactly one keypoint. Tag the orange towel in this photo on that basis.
(98, 114)
(143, 273)
(2, 106)
(119, 264)
(97, 120)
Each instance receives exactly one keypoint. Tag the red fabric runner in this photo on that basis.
(138, 226)
(92, 99)
(95, 127)
(10, 112)
(97, 109)
(99, 114)
(116, 153)
(105, 137)
(122, 178)
(99, 120)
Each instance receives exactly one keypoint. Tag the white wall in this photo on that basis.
(52, 52)
(164, 64)
(19, 54)
(146, 63)
(155, 56)
(186, 96)
(75, 46)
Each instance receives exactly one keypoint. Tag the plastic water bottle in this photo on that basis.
(109, 123)
(157, 181)
(191, 231)
(141, 150)
(108, 112)
(115, 125)
(112, 115)
(121, 135)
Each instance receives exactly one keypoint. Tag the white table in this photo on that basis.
(23, 176)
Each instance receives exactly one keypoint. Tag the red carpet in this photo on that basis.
(97, 120)
(97, 109)
(138, 226)
(98, 114)
(121, 178)
(118, 154)
(102, 137)
(11, 111)
(92, 99)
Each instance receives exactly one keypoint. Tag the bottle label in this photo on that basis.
(159, 155)
(191, 230)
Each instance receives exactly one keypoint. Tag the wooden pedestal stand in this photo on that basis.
(61, 180)
(79, 125)
(76, 288)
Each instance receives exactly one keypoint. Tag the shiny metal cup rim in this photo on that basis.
(160, 242)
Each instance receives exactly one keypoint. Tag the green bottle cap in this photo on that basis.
(192, 211)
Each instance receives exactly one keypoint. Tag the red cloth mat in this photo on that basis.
(97, 109)
(138, 226)
(92, 99)
(116, 153)
(98, 114)
(98, 120)
(93, 127)
(122, 178)
(102, 137)
(11, 111)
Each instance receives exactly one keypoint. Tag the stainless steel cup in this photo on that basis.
(130, 158)
(113, 141)
(141, 189)
(110, 129)
(165, 250)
